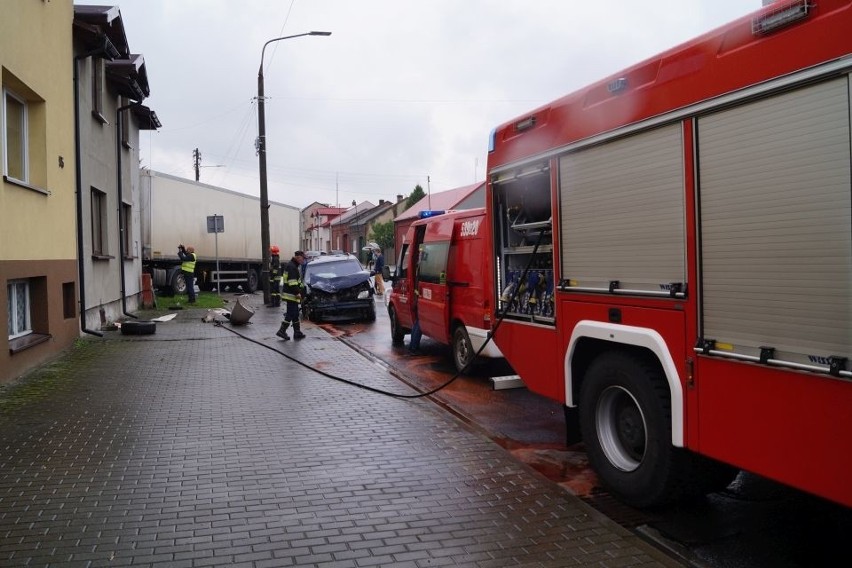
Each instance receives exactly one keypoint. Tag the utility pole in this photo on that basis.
(196, 158)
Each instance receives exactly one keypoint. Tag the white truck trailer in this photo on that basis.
(223, 226)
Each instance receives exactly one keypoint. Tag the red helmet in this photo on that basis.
(274, 249)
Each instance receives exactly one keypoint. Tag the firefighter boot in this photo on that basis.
(297, 331)
(282, 331)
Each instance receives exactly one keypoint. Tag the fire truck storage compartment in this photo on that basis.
(524, 238)
(622, 218)
(775, 218)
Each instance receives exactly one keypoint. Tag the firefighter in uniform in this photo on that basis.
(275, 276)
(291, 293)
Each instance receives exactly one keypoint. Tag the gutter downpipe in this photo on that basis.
(81, 269)
(121, 235)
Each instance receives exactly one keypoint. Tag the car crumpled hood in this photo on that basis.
(337, 283)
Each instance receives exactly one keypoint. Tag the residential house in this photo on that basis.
(384, 212)
(465, 197)
(46, 236)
(38, 268)
(109, 94)
(316, 233)
(347, 230)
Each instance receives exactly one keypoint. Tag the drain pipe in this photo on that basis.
(119, 131)
(108, 51)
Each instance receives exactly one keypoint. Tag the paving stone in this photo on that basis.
(199, 446)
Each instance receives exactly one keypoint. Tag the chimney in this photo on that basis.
(398, 197)
(381, 202)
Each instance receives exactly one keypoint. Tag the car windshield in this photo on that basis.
(332, 269)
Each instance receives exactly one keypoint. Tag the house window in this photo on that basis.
(127, 252)
(99, 223)
(15, 136)
(124, 122)
(20, 323)
(98, 67)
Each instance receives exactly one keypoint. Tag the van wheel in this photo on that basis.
(463, 353)
(625, 419)
(397, 332)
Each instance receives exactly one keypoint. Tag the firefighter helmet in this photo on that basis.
(274, 249)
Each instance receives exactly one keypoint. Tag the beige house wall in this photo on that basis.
(37, 218)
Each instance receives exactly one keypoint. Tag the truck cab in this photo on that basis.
(443, 260)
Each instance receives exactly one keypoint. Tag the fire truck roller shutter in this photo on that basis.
(775, 223)
(622, 212)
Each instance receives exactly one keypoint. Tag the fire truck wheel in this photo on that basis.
(625, 418)
(463, 353)
(397, 332)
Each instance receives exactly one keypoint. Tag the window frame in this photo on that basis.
(15, 328)
(126, 216)
(98, 88)
(99, 223)
(22, 137)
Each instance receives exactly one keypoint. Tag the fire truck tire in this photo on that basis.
(397, 331)
(625, 419)
(463, 353)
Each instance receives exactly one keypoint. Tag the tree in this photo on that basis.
(382, 234)
(415, 196)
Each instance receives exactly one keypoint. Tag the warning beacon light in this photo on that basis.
(430, 213)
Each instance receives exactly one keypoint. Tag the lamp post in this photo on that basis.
(261, 153)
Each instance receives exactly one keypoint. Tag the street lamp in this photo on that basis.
(261, 153)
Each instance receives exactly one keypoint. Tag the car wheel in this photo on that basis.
(397, 332)
(371, 313)
(463, 354)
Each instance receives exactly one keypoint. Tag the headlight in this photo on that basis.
(363, 295)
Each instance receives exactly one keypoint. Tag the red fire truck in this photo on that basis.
(673, 255)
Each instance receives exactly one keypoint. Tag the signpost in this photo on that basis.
(216, 225)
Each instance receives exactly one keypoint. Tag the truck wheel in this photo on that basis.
(625, 419)
(463, 353)
(178, 283)
(397, 332)
(252, 282)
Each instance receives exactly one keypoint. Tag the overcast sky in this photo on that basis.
(402, 93)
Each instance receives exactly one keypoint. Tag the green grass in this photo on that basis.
(203, 300)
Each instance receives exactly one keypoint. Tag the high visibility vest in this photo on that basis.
(189, 265)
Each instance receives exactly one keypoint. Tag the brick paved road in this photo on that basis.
(196, 447)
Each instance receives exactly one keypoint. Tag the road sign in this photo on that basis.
(215, 224)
